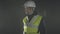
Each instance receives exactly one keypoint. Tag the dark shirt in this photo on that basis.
(41, 28)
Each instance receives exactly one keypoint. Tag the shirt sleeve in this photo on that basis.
(18, 25)
(42, 27)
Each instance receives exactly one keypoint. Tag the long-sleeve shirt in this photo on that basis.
(42, 27)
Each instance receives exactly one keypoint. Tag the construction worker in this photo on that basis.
(33, 23)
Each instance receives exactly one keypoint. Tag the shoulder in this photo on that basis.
(43, 18)
(24, 17)
(40, 16)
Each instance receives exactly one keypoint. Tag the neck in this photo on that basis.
(30, 16)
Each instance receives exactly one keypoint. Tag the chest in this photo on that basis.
(34, 21)
(32, 25)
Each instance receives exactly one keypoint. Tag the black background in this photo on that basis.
(12, 10)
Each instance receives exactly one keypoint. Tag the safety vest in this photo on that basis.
(32, 26)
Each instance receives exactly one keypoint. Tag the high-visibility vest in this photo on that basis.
(32, 26)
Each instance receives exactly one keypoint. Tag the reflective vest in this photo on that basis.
(32, 26)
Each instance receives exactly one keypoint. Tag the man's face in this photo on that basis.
(29, 10)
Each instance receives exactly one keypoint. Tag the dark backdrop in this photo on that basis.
(12, 10)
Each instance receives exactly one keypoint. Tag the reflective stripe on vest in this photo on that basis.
(32, 26)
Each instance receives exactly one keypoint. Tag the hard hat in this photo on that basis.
(30, 4)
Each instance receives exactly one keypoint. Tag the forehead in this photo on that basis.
(29, 7)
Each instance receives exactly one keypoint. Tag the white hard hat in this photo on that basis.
(30, 4)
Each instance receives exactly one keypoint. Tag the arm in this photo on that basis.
(18, 25)
(42, 27)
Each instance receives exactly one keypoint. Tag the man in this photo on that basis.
(33, 23)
